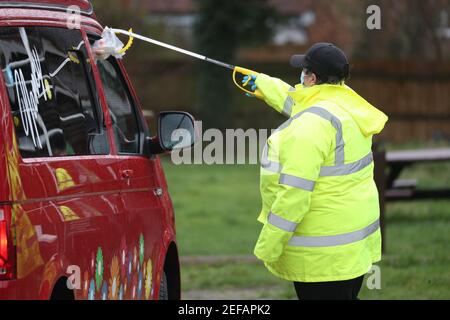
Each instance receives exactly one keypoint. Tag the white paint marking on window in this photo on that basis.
(29, 100)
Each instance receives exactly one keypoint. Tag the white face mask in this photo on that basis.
(302, 78)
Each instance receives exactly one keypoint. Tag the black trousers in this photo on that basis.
(334, 290)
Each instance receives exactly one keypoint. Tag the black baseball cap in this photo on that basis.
(323, 59)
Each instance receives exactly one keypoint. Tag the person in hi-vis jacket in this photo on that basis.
(320, 208)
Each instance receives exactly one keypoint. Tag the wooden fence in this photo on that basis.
(416, 96)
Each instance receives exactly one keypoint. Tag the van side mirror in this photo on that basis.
(176, 130)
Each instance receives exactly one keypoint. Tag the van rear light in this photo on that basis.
(3, 244)
(7, 258)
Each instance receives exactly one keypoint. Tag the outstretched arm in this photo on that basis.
(275, 93)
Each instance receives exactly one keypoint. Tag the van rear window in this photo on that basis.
(48, 81)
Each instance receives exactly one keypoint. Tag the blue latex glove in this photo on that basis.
(250, 83)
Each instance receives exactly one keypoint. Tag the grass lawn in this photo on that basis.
(216, 209)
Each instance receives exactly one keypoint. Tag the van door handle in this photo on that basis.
(127, 174)
(158, 192)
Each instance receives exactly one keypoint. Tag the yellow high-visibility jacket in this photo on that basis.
(320, 206)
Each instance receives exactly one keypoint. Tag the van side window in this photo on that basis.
(121, 107)
(48, 81)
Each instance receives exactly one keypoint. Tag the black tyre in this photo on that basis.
(163, 288)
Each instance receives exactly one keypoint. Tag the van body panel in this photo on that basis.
(84, 6)
(34, 17)
(103, 222)
(5, 196)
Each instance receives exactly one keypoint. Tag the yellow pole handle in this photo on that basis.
(246, 72)
(129, 44)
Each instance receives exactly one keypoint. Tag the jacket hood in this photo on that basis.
(370, 120)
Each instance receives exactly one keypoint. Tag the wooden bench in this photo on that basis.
(388, 167)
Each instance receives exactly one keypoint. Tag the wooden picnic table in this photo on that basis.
(388, 167)
(397, 161)
(421, 155)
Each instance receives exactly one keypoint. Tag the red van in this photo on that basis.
(84, 207)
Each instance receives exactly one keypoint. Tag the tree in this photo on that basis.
(221, 28)
(409, 30)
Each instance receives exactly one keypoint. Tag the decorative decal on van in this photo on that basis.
(135, 257)
(121, 292)
(134, 286)
(141, 249)
(130, 266)
(114, 281)
(140, 284)
(128, 277)
(148, 279)
(91, 295)
(105, 291)
(99, 268)
(85, 285)
(123, 258)
(92, 264)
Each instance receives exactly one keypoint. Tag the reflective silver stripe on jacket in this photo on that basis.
(268, 165)
(281, 223)
(297, 182)
(348, 168)
(337, 240)
(287, 108)
(340, 168)
(272, 166)
(325, 114)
